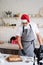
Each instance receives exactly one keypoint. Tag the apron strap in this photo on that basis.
(32, 42)
(23, 28)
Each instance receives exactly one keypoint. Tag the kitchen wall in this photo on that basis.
(6, 32)
(19, 6)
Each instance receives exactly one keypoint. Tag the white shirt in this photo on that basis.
(34, 28)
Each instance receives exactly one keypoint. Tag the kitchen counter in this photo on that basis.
(23, 62)
(9, 48)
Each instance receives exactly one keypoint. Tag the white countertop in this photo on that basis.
(24, 58)
(9, 46)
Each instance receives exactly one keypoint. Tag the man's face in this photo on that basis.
(25, 24)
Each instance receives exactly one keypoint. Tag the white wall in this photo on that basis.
(7, 32)
(28, 6)
(21, 6)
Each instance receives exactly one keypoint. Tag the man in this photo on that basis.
(25, 36)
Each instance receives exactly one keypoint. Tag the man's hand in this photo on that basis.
(41, 47)
(23, 52)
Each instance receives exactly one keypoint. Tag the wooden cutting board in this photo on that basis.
(14, 58)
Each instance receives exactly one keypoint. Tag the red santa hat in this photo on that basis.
(25, 18)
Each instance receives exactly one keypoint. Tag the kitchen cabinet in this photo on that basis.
(9, 48)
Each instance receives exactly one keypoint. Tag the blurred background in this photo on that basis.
(10, 12)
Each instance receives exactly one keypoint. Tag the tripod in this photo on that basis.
(33, 51)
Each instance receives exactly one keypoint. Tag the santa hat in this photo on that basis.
(25, 18)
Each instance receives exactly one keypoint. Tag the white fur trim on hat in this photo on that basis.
(24, 21)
